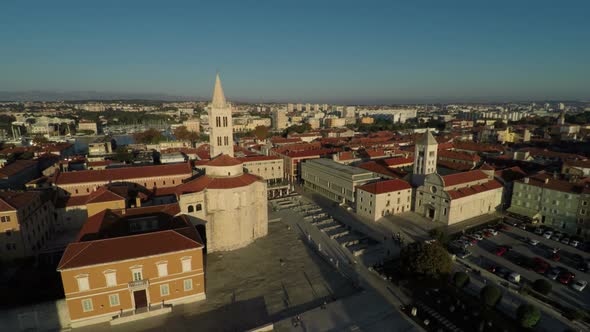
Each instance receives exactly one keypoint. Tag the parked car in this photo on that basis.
(579, 285)
(471, 240)
(539, 231)
(500, 251)
(553, 273)
(547, 234)
(555, 257)
(492, 231)
(533, 242)
(477, 235)
(574, 243)
(487, 234)
(556, 237)
(502, 272)
(582, 266)
(523, 226)
(463, 253)
(566, 277)
(565, 240)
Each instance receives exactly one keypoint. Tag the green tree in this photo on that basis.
(439, 234)
(542, 286)
(123, 155)
(429, 260)
(461, 279)
(261, 132)
(150, 136)
(528, 315)
(40, 139)
(490, 295)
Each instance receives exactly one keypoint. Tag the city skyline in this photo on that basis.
(334, 52)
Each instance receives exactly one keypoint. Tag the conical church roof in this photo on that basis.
(218, 100)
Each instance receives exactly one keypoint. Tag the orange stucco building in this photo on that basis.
(132, 262)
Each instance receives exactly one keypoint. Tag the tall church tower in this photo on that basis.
(220, 123)
(561, 119)
(425, 156)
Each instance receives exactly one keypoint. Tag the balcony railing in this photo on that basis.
(139, 283)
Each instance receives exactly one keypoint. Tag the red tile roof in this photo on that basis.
(16, 167)
(224, 160)
(399, 161)
(206, 182)
(79, 254)
(472, 190)
(311, 153)
(121, 174)
(454, 165)
(101, 195)
(385, 186)
(464, 177)
(14, 200)
(258, 158)
(381, 168)
(448, 154)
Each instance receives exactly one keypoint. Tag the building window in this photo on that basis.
(164, 290)
(162, 269)
(188, 285)
(199, 207)
(87, 305)
(137, 273)
(111, 278)
(186, 264)
(114, 300)
(191, 209)
(83, 284)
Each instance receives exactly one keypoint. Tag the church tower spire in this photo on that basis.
(220, 123)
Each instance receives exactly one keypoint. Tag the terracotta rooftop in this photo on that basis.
(258, 158)
(124, 173)
(545, 180)
(399, 161)
(385, 186)
(206, 182)
(457, 166)
(101, 251)
(472, 190)
(16, 167)
(449, 154)
(311, 153)
(464, 177)
(103, 194)
(15, 200)
(224, 160)
(381, 168)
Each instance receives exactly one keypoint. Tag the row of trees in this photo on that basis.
(526, 315)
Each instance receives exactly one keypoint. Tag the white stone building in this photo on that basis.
(457, 197)
(378, 199)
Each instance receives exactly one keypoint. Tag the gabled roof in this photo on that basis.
(428, 139)
(464, 177)
(385, 186)
(472, 190)
(79, 254)
(103, 194)
(16, 167)
(398, 161)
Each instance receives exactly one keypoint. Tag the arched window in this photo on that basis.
(191, 209)
(199, 207)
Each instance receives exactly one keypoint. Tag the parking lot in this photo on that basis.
(517, 251)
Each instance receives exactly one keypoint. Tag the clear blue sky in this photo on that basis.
(347, 51)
